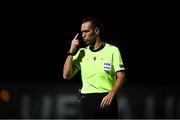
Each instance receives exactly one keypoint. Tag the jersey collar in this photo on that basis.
(100, 48)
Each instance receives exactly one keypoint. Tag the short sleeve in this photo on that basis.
(117, 60)
(77, 58)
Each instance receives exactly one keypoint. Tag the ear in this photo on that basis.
(96, 31)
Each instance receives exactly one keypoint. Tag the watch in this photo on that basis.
(69, 53)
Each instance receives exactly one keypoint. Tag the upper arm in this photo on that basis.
(120, 74)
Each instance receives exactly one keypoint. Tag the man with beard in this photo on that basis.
(102, 72)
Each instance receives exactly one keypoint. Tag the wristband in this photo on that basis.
(69, 53)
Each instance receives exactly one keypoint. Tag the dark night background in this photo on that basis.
(35, 38)
(35, 42)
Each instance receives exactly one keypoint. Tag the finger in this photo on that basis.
(102, 106)
(77, 42)
(104, 103)
(109, 103)
(76, 36)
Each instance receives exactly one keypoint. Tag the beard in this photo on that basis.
(90, 41)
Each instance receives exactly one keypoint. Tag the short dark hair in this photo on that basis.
(94, 21)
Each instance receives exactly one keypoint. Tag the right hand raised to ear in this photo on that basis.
(74, 44)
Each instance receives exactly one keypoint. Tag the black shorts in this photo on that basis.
(90, 107)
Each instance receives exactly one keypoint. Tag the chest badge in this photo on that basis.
(107, 67)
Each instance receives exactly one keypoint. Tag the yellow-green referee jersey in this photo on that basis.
(98, 69)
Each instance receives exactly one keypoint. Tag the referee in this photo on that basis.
(102, 72)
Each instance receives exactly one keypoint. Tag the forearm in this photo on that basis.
(106, 101)
(119, 82)
(68, 68)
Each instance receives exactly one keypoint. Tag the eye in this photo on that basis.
(86, 31)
